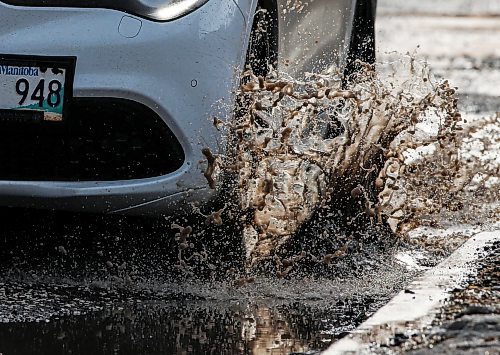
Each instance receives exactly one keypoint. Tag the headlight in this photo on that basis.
(160, 10)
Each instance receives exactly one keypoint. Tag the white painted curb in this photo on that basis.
(416, 309)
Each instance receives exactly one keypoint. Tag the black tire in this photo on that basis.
(362, 46)
(263, 53)
(262, 50)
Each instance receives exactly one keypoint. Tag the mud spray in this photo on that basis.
(319, 171)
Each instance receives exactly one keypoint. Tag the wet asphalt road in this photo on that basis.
(180, 327)
(80, 284)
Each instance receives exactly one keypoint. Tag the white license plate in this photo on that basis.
(35, 85)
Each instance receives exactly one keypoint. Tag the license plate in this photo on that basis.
(37, 87)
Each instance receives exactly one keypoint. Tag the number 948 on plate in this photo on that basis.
(32, 89)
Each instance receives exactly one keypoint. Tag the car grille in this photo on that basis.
(101, 139)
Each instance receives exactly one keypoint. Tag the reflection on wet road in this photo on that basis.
(186, 327)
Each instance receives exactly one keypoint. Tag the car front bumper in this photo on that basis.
(185, 71)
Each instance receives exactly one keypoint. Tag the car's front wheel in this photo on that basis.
(276, 212)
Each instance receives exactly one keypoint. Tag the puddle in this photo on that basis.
(190, 327)
(268, 316)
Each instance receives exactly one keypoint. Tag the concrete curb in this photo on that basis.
(415, 307)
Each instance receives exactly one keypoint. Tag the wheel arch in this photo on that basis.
(266, 49)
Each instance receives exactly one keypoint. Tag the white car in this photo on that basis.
(106, 105)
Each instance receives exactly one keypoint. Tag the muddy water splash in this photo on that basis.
(327, 165)
(313, 147)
